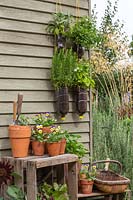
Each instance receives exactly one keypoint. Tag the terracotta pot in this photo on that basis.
(46, 129)
(53, 148)
(62, 146)
(38, 148)
(20, 140)
(86, 186)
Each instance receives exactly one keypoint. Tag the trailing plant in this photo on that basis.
(62, 64)
(52, 192)
(82, 75)
(74, 146)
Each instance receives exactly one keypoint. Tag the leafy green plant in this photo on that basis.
(59, 27)
(6, 178)
(74, 146)
(82, 75)
(61, 71)
(60, 24)
(85, 33)
(23, 120)
(15, 193)
(55, 192)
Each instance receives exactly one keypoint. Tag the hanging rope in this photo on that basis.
(77, 9)
(58, 6)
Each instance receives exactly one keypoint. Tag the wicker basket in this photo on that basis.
(109, 181)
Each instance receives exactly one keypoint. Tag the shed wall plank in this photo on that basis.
(22, 61)
(5, 120)
(40, 6)
(32, 107)
(26, 50)
(25, 84)
(13, 72)
(14, 25)
(24, 38)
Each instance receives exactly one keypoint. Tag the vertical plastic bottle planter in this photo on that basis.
(81, 100)
(62, 101)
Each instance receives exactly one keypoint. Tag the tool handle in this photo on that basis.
(14, 110)
(19, 107)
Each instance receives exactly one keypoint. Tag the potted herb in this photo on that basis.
(82, 81)
(59, 26)
(37, 137)
(84, 34)
(46, 120)
(87, 178)
(20, 137)
(61, 76)
(54, 192)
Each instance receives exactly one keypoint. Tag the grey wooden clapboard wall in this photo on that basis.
(25, 59)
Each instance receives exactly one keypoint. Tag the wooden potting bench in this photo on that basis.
(62, 167)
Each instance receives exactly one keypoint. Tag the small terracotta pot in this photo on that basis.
(86, 186)
(62, 146)
(53, 148)
(46, 129)
(38, 148)
(20, 140)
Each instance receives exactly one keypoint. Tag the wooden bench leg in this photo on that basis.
(72, 181)
(110, 197)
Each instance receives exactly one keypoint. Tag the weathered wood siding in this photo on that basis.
(25, 59)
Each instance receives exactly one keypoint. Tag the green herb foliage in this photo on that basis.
(62, 64)
(60, 24)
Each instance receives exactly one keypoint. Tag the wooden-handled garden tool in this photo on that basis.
(14, 111)
(19, 106)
